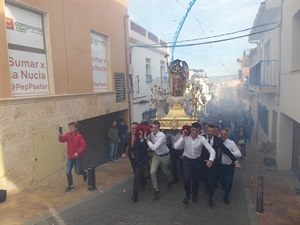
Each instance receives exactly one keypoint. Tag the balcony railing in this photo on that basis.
(263, 76)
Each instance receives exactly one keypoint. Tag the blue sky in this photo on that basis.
(206, 18)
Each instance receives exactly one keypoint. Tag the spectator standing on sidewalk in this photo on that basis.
(157, 142)
(122, 131)
(226, 169)
(75, 148)
(114, 140)
(191, 161)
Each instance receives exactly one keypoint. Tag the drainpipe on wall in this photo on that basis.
(127, 80)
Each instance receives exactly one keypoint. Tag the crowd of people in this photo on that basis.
(207, 151)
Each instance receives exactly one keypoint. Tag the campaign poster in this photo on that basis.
(28, 73)
(26, 52)
(24, 27)
(99, 62)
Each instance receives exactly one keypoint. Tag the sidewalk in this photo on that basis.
(281, 202)
(27, 205)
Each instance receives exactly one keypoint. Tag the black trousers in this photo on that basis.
(191, 173)
(132, 163)
(226, 173)
(175, 161)
(139, 178)
(210, 177)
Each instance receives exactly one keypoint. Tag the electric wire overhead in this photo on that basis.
(215, 41)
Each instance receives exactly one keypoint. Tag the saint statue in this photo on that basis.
(178, 75)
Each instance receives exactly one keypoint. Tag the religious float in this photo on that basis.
(182, 90)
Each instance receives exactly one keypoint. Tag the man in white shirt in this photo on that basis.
(157, 142)
(227, 167)
(210, 175)
(192, 145)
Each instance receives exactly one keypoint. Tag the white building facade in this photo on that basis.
(148, 66)
(274, 79)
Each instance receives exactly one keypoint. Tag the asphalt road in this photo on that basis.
(114, 207)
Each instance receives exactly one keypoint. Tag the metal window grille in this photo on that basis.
(120, 87)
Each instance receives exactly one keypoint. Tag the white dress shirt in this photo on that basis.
(193, 148)
(234, 150)
(211, 141)
(158, 143)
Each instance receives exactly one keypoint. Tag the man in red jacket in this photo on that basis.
(75, 148)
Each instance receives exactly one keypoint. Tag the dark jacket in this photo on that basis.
(241, 139)
(139, 149)
(112, 134)
(122, 130)
(218, 144)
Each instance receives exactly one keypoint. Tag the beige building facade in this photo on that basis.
(60, 61)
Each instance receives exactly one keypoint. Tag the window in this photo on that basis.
(148, 70)
(120, 87)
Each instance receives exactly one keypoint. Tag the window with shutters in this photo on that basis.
(120, 87)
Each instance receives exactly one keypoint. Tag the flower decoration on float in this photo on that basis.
(158, 94)
(195, 96)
